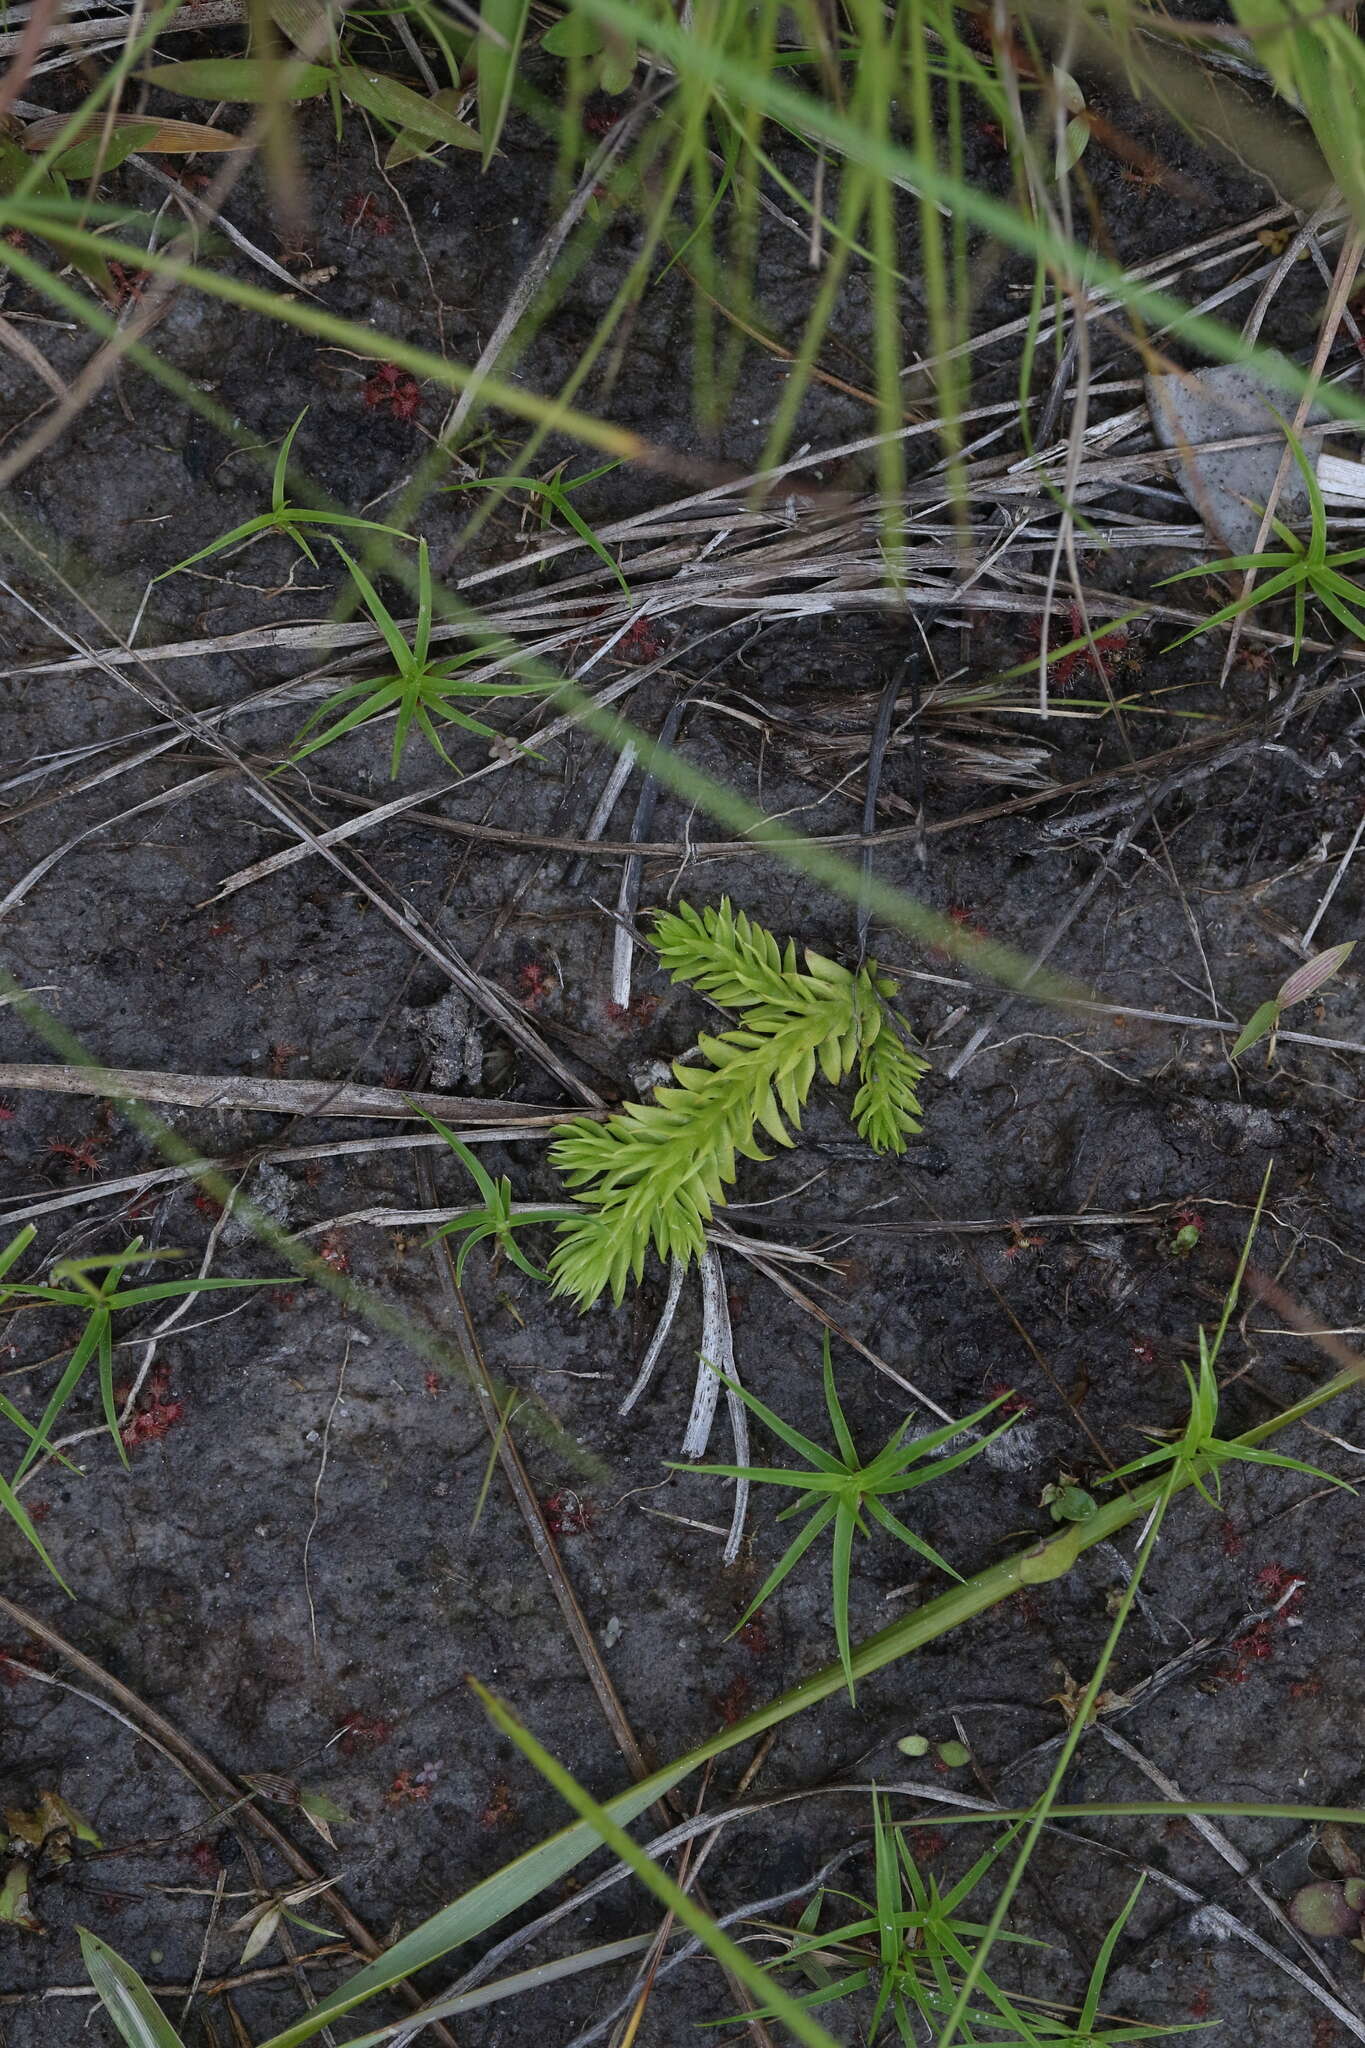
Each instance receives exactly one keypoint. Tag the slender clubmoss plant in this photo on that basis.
(655, 1173)
(842, 1490)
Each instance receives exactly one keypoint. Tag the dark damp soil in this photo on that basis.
(307, 1555)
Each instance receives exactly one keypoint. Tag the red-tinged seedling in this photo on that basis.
(733, 1704)
(500, 1809)
(94, 1287)
(389, 389)
(1187, 1232)
(362, 210)
(640, 642)
(363, 1731)
(155, 1415)
(568, 1514)
(83, 1156)
(753, 1633)
(534, 982)
(412, 1786)
(1283, 1588)
(840, 1493)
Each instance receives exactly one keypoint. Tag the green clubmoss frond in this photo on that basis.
(655, 1173)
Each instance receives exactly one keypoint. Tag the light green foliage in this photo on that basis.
(551, 493)
(94, 1288)
(283, 518)
(734, 1958)
(1196, 1450)
(654, 1174)
(1295, 570)
(502, 24)
(910, 1945)
(1315, 58)
(136, 2015)
(841, 1490)
(1305, 981)
(422, 691)
(496, 1219)
(421, 121)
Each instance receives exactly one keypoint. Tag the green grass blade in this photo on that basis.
(507, 1890)
(106, 1380)
(281, 470)
(734, 1959)
(836, 1414)
(16, 1248)
(841, 1566)
(792, 1438)
(1091, 2003)
(129, 2004)
(378, 611)
(262, 523)
(23, 1522)
(503, 23)
(85, 1350)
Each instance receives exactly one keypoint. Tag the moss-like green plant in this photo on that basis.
(655, 1173)
(839, 1488)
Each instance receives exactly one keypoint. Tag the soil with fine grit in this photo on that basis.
(307, 1554)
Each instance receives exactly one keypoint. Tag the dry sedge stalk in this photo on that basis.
(271, 1097)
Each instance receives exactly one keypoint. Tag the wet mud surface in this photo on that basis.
(307, 1553)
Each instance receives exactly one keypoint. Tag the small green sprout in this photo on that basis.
(284, 518)
(421, 690)
(1302, 983)
(553, 494)
(1066, 1500)
(914, 1943)
(1196, 1449)
(498, 1217)
(75, 1284)
(841, 1490)
(1295, 569)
